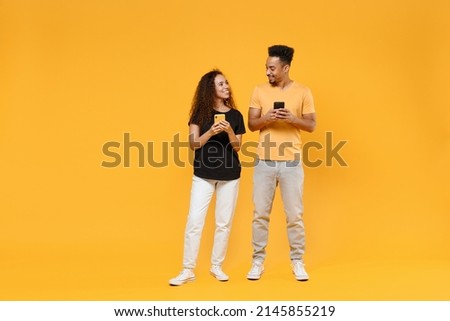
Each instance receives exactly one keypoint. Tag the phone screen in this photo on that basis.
(278, 104)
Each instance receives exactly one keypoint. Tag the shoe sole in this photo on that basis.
(182, 282)
(302, 278)
(218, 278)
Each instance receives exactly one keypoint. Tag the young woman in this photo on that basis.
(216, 169)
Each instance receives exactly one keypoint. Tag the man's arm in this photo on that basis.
(307, 122)
(256, 121)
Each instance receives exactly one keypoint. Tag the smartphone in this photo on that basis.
(218, 118)
(278, 104)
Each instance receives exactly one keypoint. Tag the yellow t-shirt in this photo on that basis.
(281, 141)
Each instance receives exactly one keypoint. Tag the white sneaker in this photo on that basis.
(256, 271)
(298, 268)
(186, 275)
(216, 271)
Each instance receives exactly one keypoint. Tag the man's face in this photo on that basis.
(276, 70)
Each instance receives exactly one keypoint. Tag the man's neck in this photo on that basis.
(284, 84)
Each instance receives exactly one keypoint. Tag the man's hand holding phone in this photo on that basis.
(279, 112)
(285, 115)
(272, 114)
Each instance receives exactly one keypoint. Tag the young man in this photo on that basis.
(279, 109)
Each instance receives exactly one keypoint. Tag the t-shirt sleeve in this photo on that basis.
(308, 103)
(193, 120)
(240, 126)
(254, 100)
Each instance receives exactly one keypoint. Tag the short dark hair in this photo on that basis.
(285, 53)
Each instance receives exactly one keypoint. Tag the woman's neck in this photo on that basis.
(220, 106)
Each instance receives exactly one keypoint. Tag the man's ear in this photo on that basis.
(286, 67)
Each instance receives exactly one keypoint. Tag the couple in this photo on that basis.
(279, 109)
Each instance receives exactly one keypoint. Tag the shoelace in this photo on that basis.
(183, 274)
(218, 270)
(255, 268)
(299, 268)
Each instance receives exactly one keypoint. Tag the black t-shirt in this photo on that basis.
(217, 159)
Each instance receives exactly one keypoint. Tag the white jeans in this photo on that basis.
(201, 193)
(267, 175)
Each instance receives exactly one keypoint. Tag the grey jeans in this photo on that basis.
(267, 176)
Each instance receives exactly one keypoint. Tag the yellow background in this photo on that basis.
(77, 74)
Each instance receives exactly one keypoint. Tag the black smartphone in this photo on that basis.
(278, 104)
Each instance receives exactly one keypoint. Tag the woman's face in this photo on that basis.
(222, 87)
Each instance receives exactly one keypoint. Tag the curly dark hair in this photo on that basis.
(202, 108)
